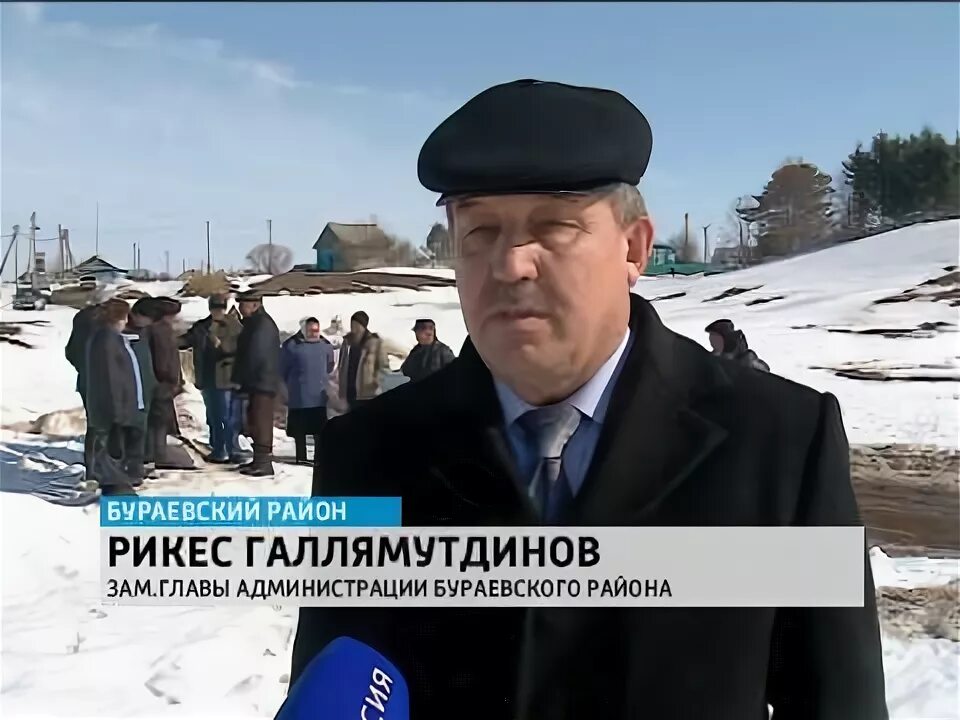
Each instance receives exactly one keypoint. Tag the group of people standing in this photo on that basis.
(128, 373)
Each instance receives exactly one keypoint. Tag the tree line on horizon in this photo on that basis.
(890, 182)
(893, 181)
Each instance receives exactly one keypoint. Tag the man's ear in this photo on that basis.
(639, 248)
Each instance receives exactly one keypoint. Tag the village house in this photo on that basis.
(345, 247)
(99, 269)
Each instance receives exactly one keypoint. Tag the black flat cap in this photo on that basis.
(250, 296)
(530, 136)
(166, 306)
(721, 327)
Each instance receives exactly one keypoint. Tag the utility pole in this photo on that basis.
(686, 234)
(32, 266)
(134, 256)
(63, 260)
(138, 258)
(6, 255)
(166, 262)
(705, 256)
(208, 248)
(184, 260)
(16, 258)
(97, 241)
(270, 246)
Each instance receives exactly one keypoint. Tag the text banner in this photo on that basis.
(486, 567)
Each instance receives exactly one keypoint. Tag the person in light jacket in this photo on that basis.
(306, 361)
(363, 360)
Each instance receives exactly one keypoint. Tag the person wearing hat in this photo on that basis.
(539, 183)
(728, 342)
(85, 323)
(117, 402)
(362, 362)
(428, 355)
(162, 418)
(213, 340)
(256, 374)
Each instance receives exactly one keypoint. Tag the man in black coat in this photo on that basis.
(256, 371)
(165, 351)
(551, 235)
(726, 341)
(428, 355)
(85, 324)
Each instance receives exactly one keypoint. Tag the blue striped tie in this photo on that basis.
(550, 428)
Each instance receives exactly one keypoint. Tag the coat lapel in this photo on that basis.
(653, 437)
(473, 460)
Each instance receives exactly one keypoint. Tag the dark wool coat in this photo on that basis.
(689, 440)
(257, 365)
(424, 360)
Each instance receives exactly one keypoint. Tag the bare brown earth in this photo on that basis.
(307, 283)
(909, 498)
(950, 294)
(921, 612)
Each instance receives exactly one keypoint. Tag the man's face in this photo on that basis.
(139, 321)
(716, 342)
(218, 314)
(311, 331)
(425, 334)
(543, 283)
(356, 328)
(249, 307)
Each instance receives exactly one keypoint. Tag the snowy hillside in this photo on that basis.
(63, 655)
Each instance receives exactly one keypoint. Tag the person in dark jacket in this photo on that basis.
(256, 372)
(563, 362)
(214, 343)
(728, 342)
(85, 323)
(162, 419)
(116, 401)
(306, 361)
(428, 355)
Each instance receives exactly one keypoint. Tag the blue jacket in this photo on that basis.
(305, 368)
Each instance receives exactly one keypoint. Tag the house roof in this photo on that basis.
(96, 264)
(356, 234)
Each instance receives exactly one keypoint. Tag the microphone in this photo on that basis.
(348, 680)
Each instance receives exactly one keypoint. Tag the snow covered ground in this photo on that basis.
(65, 655)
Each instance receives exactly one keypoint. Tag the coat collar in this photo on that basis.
(653, 437)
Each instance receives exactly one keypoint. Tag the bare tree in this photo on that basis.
(401, 253)
(267, 259)
(687, 249)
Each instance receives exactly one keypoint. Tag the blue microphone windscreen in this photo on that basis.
(348, 680)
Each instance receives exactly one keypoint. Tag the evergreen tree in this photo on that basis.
(899, 176)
